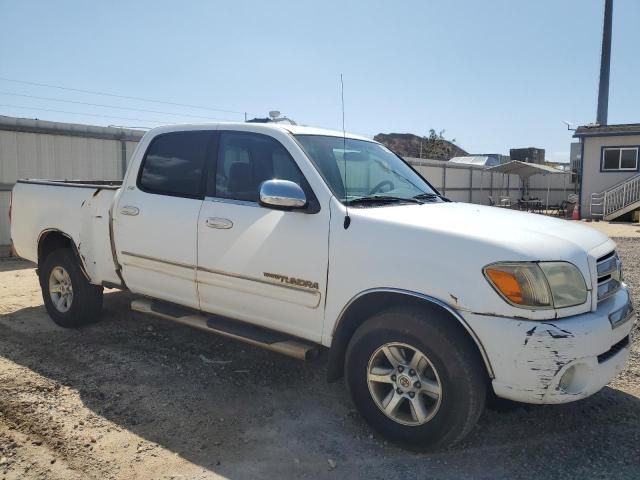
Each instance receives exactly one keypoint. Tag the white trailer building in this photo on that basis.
(609, 170)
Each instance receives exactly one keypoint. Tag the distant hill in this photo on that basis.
(434, 146)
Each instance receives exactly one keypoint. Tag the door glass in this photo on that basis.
(245, 160)
(175, 164)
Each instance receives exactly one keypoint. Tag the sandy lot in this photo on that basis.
(615, 229)
(137, 397)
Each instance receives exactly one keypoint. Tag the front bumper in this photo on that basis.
(555, 361)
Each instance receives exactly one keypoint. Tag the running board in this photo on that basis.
(245, 332)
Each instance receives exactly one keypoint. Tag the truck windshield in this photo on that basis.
(374, 174)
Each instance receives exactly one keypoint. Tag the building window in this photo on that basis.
(615, 159)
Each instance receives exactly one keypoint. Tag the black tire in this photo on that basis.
(86, 304)
(453, 355)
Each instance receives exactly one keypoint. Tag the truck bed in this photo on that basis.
(81, 209)
(108, 184)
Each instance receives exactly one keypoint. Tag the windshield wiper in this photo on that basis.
(430, 196)
(381, 199)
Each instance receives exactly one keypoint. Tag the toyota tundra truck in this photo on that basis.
(299, 240)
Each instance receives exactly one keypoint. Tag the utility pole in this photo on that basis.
(605, 64)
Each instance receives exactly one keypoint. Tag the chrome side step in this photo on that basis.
(245, 332)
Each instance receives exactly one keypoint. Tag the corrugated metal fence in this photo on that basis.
(473, 184)
(39, 149)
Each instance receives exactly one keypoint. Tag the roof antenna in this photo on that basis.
(347, 218)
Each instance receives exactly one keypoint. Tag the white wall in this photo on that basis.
(131, 147)
(61, 157)
(36, 155)
(4, 220)
(473, 184)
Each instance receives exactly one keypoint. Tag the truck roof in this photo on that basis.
(266, 127)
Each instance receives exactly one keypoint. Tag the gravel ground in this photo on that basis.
(136, 397)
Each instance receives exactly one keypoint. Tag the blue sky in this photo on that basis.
(494, 74)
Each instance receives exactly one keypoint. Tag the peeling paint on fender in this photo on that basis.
(541, 354)
(529, 333)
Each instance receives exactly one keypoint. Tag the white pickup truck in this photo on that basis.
(298, 239)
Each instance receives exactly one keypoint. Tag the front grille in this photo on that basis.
(609, 275)
(622, 344)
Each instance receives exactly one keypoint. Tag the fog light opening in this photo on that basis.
(574, 379)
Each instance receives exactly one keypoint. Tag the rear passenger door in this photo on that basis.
(156, 221)
(257, 264)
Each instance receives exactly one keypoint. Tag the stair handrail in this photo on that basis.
(621, 195)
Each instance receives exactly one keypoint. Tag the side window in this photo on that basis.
(245, 160)
(175, 164)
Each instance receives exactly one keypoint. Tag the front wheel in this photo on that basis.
(416, 378)
(69, 298)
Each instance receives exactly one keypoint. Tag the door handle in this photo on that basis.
(221, 223)
(129, 210)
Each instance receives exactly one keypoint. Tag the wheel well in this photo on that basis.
(366, 305)
(53, 240)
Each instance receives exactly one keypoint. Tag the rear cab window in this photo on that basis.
(175, 164)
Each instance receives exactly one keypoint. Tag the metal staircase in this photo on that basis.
(617, 200)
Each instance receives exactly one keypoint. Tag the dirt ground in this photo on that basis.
(138, 397)
(615, 229)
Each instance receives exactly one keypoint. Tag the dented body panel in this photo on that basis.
(80, 211)
(530, 357)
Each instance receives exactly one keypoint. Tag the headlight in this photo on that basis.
(541, 285)
(566, 283)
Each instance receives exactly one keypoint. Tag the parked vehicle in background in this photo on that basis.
(295, 239)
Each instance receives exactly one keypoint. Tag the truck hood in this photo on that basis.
(519, 235)
(441, 249)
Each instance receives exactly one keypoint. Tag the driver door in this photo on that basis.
(257, 264)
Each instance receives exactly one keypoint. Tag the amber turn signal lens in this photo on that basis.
(507, 283)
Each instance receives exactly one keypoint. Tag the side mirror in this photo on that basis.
(282, 194)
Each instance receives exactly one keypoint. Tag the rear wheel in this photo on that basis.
(416, 377)
(68, 296)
